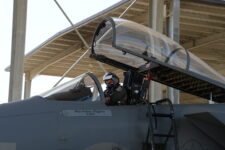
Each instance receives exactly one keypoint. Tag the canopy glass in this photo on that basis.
(129, 45)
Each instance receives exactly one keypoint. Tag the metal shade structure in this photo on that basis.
(55, 55)
(202, 31)
(128, 45)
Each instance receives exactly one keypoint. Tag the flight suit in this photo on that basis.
(115, 95)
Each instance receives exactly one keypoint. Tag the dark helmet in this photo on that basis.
(111, 76)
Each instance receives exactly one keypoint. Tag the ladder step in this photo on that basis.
(164, 135)
(161, 115)
(161, 101)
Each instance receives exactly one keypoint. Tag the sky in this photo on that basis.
(44, 19)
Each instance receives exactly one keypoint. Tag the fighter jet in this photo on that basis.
(73, 116)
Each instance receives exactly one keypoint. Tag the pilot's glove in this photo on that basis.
(107, 100)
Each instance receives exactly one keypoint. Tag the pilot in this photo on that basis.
(115, 94)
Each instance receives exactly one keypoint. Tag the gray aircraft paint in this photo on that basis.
(7, 146)
(37, 123)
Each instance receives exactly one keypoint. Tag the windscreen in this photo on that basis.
(83, 87)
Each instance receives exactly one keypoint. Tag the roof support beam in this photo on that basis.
(156, 22)
(18, 46)
(53, 60)
(174, 33)
(202, 16)
(203, 9)
(203, 23)
(27, 88)
(204, 41)
(203, 28)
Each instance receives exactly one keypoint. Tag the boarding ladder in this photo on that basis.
(153, 130)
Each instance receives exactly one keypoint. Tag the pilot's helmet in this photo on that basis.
(111, 76)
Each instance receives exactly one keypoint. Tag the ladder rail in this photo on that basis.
(150, 128)
(173, 123)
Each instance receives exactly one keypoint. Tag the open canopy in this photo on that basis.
(128, 45)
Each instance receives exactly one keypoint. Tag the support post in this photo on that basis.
(174, 33)
(27, 87)
(156, 8)
(17, 50)
(211, 99)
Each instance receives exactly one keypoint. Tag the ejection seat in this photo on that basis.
(135, 85)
